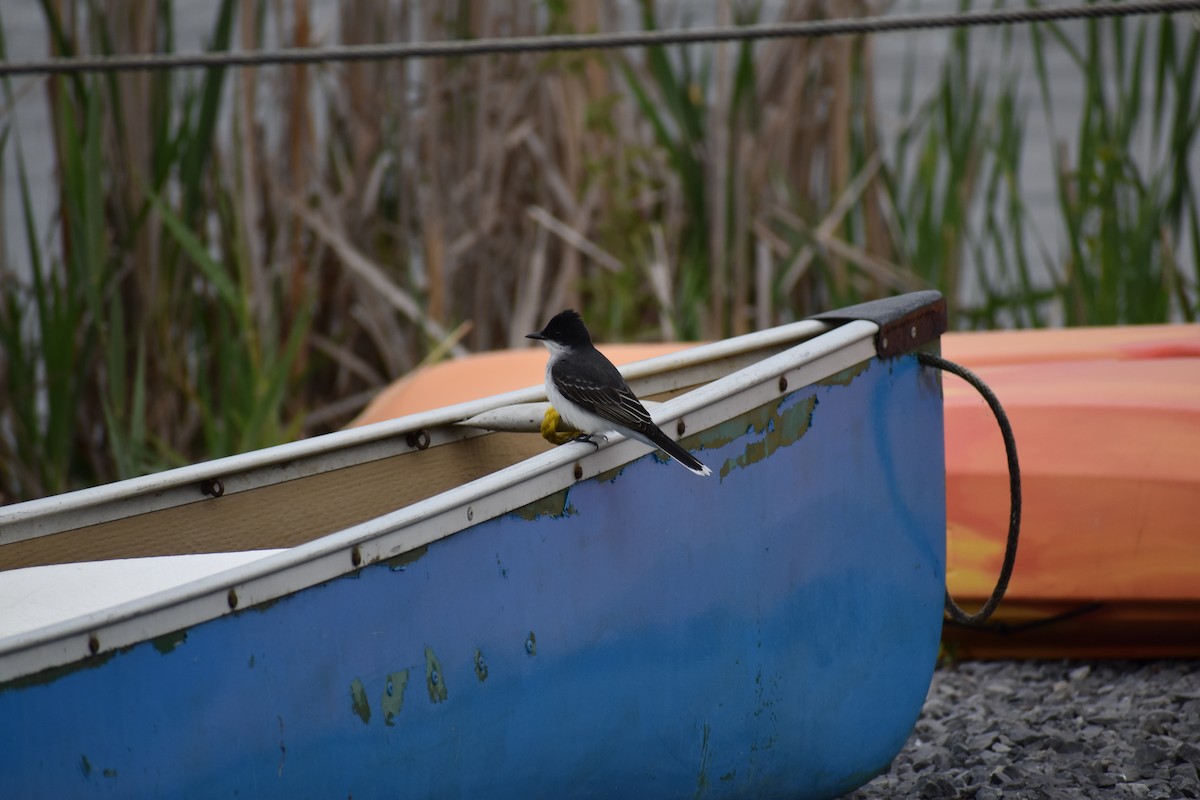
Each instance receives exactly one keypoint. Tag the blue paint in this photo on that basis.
(769, 635)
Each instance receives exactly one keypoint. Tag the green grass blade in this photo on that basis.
(199, 255)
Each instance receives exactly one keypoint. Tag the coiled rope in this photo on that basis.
(543, 44)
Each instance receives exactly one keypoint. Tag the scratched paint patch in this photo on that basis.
(358, 701)
(402, 562)
(702, 774)
(846, 376)
(777, 429)
(553, 506)
(165, 644)
(435, 679)
(610, 476)
(393, 696)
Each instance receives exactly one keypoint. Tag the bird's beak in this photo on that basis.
(537, 336)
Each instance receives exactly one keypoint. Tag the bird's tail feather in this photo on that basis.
(677, 452)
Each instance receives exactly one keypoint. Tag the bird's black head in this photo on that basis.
(566, 329)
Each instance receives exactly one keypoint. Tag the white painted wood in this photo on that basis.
(37, 597)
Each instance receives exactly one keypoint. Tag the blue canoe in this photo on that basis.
(441, 606)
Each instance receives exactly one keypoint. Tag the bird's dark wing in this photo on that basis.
(600, 389)
(597, 386)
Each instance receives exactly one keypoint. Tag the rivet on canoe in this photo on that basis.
(783, 383)
(913, 331)
(680, 428)
(232, 598)
(93, 644)
(356, 557)
(213, 487)
(531, 644)
(418, 439)
(470, 513)
(578, 472)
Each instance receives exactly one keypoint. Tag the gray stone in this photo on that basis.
(1147, 755)
(1185, 773)
(1188, 753)
(1053, 730)
(1157, 722)
(936, 788)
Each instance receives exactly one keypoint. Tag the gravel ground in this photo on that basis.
(1052, 730)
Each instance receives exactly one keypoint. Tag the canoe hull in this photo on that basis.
(770, 632)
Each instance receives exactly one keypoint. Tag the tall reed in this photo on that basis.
(241, 258)
(1128, 197)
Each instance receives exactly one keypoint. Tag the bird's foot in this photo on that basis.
(588, 437)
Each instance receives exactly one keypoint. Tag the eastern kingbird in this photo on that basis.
(591, 396)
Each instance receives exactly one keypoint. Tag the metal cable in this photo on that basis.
(543, 44)
(1014, 487)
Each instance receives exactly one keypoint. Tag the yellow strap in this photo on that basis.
(550, 429)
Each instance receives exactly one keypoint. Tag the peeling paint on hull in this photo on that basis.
(778, 427)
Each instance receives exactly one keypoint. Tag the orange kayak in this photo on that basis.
(482, 375)
(1107, 424)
